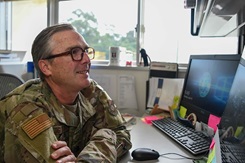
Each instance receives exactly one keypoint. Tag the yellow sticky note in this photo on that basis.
(175, 102)
(238, 131)
(211, 156)
(182, 112)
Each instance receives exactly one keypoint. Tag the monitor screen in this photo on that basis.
(232, 124)
(207, 84)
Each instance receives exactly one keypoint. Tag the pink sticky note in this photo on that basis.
(212, 144)
(213, 121)
(148, 119)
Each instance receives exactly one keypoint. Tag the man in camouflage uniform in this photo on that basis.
(64, 116)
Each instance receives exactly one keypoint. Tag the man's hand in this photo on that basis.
(62, 153)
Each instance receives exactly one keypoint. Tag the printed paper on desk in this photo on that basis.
(163, 91)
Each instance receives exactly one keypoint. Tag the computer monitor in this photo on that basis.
(207, 84)
(232, 124)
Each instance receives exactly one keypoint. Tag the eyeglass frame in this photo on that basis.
(69, 52)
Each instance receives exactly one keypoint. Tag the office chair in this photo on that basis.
(8, 82)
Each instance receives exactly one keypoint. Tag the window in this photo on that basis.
(20, 22)
(28, 19)
(103, 23)
(5, 27)
(164, 27)
(165, 33)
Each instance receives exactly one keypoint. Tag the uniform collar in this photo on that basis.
(85, 109)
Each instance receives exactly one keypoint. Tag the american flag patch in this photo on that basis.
(37, 125)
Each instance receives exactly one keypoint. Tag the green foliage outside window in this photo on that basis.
(87, 25)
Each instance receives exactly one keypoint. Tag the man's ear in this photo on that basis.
(44, 67)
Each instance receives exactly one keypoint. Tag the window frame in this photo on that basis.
(6, 27)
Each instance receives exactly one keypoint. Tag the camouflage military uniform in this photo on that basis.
(31, 119)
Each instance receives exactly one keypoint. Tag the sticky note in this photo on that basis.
(238, 131)
(182, 111)
(214, 160)
(148, 119)
(213, 121)
(212, 144)
(211, 156)
(175, 102)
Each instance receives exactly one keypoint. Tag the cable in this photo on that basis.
(145, 57)
(149, 59)
(181, 157)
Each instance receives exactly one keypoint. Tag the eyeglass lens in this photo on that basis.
(78, 53)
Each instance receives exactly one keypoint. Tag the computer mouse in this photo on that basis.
(144, 154)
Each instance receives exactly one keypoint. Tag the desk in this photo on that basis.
(147, 136)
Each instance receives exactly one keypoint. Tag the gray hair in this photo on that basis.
(41, 46)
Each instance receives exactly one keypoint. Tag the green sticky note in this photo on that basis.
(182, 112)
(211, 156)
(238, 131)
(175, 102)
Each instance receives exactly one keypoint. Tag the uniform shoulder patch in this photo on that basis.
(112, 108)
(37, 125)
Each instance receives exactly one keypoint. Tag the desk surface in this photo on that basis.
(147, 136)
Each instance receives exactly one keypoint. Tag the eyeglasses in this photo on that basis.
(76, 53)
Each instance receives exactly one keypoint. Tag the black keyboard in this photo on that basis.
(232, 153)
(193, 141)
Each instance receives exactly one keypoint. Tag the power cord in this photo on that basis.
(145, 57)
(181, 157)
